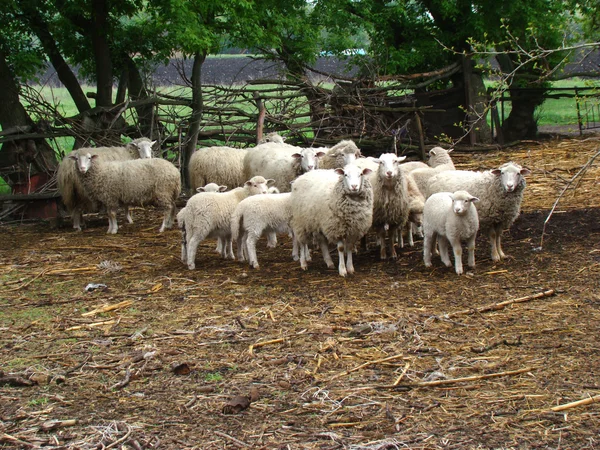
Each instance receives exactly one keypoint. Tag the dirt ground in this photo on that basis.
(397, 356)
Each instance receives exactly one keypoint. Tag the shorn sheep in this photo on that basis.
(137, 182)
(69, 184)
(281, 162)
(333, 206)
(222, 165)
(208, 215)
(391, 201)
(341, 154)
(500, 192)
(452, 218)
(257, 215)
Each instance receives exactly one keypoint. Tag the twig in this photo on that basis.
(501, 305)
(362, 366)
(402, 374)
(124, 382)
(28, 283)
(91, 325)
(586, 401)
(261, 344)
(580, 172)
(231, 438)
(122, 439)
(107, 308)
(8, 438)
(464, 379)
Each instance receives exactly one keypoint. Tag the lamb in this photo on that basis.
(500, 192)
(208, 215)
(69, 184)
(391, 200)
(257, 215)
(452, 218)
(211, 187)
(341, 154)
(416, 202)
(281, 162)
(439, 161)
(333, 206)
(134, 182)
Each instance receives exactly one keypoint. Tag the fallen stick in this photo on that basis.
(91, 325)
(461, 380)
(28, 283)
(107, 308)
(501, 305)
(231, 438)
(362, 366)
(585, 401)
(78, 269)
(262, 344)
(8, 438)
(123, 383)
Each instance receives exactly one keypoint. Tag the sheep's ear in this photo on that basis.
(71, 156)
(152, 143)
(474, 199)
(320, 154)
(525, 171)
(366, 171)
(270, 182)
(200, 189)
(432, 152)
(248, 183)
(222, 188)
(375, 160)
(92, 157)
(450, 150)
(497, 172)
(399, 159)
(297, 155)
(339, 171)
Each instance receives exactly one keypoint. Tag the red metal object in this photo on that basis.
(46, 208)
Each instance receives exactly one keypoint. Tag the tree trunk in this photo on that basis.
(477, 110)
(191, 139)
(101, 49)
(137, 91)
(29, 156)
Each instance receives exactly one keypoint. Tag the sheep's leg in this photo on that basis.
(457, 249)
(401, 239)
(241, 245)
(499, 241)
(428, 240)
(392, 234)
(325, 251)
(303, 254)
(167, 219)
(342, 263)
(295, 249)
(128, 214)
(112, 222)
(219, 248)
(494, 243)
(183, 245)
(471, 250)
(409, 234)
(381, 242)
(251, 241)
(76, 216)
(192, 246)
(271, 239)
(349, 262)
(229, 247)
(443, 244)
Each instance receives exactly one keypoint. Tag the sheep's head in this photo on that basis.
(345, 152)
(211, 187)
(353, 178)
(308, 159)
(389, 166)
(258, 185)
(83, 162)
(143, 147)
(439, 156)
(461, 202)
(511, 175)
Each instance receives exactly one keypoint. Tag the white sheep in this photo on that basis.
(220, 165)
(439, 161)
(208, 215)
(451, 218)
(281, 162)
(70, 186)
(341, 154)
(272, 137)
(257, 215)
(500, 192)
(211, 187)
(137, 182)
(332, 206)
(391, 200)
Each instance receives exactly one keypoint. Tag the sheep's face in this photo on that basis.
(389, 166)
(144, 148)
(258, 185)
(349, 156)
(461, 202)
(353, 178)
(511, 175)
(308, 158)
(83, 162)
(211, 187)
(416, 218)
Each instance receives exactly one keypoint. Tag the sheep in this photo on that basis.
(272, 137)
(133, 182)
(208, 215)
(341, 154)
(220, 165)
(439, 161)
(211, 187)
(333, 206)
(391, 200)
(281, 162)
(500, 192)
(70, 187)
(452, 218)
(256, 215)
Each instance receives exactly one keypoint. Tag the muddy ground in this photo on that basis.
(397, 356)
